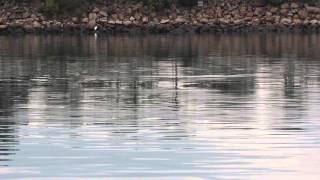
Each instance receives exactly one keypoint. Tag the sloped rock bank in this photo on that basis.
(136, 18)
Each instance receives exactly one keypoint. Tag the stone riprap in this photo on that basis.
(233, 16)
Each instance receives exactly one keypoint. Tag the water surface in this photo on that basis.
(160, 107)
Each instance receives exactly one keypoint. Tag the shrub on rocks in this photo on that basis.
(274, 2)
(62, 7)
(277, 2)
(157, 4)
(188, 3)
(160, 4)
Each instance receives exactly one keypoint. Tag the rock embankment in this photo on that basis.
(136, 18)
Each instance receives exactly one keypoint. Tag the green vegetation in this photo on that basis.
(54, 7)
(158, 4)
(277, 2)
(274, 2)
(74, 7)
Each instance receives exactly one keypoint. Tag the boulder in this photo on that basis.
(132, 18)
(103, 13)
(137, 16)
(297, 21)
(274, 10)
(306, 22)
(85, 20)
(3, 27)
(249, 14)
(259, 11)
(277, 19)
(164, 21)
(28, 28)
(294, 5)
(29, 20)
(284, 11)
(303, 14)
(285, 21)
(25, 15)
(314, 22)
(118, 22)
(92, 16)
(311, 9)
(33, 16)
(268, 14)
(36, 25)
(103, 20)
(237, 21)
(180, 19)
(114, 16)
(155, 20)
(285, 6)
(204, 20)
(121, 17)
(145, 19)
(129, 11)
(95, 10)
(13, 16)
(111, 22)
(127, 23)
(92, 24)
(75, 19)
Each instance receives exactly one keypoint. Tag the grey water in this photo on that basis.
(243, 106)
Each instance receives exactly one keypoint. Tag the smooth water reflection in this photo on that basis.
(164, 107)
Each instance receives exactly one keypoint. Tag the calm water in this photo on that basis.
(160, 107)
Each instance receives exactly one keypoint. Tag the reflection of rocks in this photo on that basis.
(242, 85)
(93, 83)
(134, 17)
(10, 93)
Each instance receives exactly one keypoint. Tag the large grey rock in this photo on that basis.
(132, 18)
(36, 25)
(95, 10)
(33, 16)
(274, 10)
(285, 21)
(75, 19)
(3, 26)
(259, 11)
(303, 14)
(85, 20)
(119, 22)
(180, 19)
(285, 6)
(297, 21)
(127, 23)
(103, 13)
(314, 22)
(92, 24)
(92, 16)
(145, 19)
(26, 15)
(111, 22)
(103, 20)
(294, 5)
(312, 9)
(28, 27)
(164, 21)
(204, 20)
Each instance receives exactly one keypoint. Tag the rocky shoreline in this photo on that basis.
(233, 16)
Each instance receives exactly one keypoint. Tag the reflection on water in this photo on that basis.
(200, 107)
